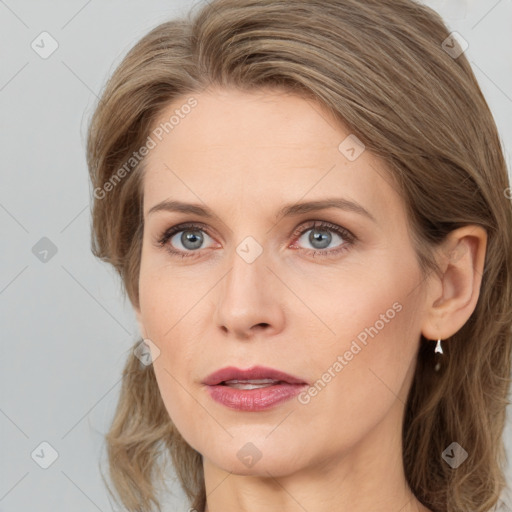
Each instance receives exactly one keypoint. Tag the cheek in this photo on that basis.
(363, 370)
(371, 303)
(167, 298)
(169, 306)
(369, 331)
(379, 347)
(167, 313)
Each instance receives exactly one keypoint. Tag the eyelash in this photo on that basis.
(318, 225)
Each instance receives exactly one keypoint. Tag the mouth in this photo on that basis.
(256, 389)
(257, 376)
(251, 384)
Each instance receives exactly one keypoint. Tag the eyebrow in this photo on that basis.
(332, 202)
(286, 211)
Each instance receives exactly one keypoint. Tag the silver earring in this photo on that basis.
(438, 350)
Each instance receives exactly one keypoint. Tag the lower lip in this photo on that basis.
(254, 399)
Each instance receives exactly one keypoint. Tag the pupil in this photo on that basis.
(190, 237)
(314, 238)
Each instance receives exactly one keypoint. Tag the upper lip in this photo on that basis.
(253, 373)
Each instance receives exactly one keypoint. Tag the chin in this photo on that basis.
(250, 459)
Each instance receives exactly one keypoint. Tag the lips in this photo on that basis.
(256, 389)
(255, 373)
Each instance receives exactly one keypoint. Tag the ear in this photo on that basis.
(452, 297)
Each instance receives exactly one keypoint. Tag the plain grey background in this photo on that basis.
(66, 327)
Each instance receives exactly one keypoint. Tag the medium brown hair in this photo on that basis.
(381, 68)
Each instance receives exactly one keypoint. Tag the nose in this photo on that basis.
(249, 302)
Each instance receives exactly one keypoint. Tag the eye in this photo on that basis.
(187, 238)
(320, 237)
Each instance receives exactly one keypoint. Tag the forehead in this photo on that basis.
(238, 149)
(230, 118)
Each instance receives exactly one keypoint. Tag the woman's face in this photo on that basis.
(244, 287)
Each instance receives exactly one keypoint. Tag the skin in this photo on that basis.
(245, 155)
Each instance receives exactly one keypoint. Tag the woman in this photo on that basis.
(308, 205)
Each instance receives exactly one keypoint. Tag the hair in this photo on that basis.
(380, 68)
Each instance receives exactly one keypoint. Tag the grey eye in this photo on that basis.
(190, 239)
(320, 238)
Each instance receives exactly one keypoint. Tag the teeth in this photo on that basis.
(251, 381)
(250, 384)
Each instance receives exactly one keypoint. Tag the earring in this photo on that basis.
(438, 350)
